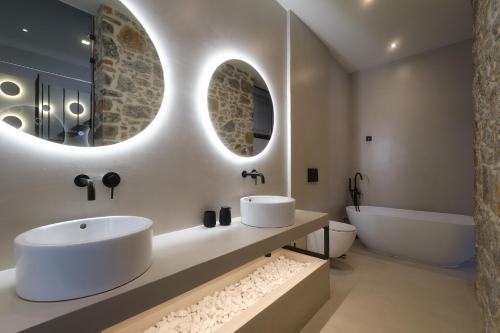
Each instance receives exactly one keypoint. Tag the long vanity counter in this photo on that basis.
(182, 260)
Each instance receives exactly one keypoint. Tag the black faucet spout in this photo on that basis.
(355, 193)
(254, 174)
(85, 181)
(90, 190)
(356, 179)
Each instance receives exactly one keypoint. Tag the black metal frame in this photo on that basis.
(37, 105)
(261, 136)
(92, 38)
(326, 248)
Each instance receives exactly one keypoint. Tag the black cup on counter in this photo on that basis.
(209, 219)
(225, 215)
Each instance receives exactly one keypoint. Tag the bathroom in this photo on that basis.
(403, 92)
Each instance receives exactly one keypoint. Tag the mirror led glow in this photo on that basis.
(209, 68)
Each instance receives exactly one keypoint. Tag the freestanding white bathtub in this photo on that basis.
(433, 238)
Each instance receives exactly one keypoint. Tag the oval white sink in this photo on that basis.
(266, 211)
(79, 258)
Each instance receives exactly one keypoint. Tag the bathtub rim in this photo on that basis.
(419, 215)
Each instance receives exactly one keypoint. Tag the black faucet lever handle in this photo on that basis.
(111, 180)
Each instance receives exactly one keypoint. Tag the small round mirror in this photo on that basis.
(240, 108)
(13, 121)
(10, 89)
(76, 108)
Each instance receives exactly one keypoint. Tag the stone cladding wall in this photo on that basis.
(231, 108)
(486, 93)
(128, 77)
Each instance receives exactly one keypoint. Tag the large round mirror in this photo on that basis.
(241, 108)
(77, 72)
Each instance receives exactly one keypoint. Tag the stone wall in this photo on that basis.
(486, 92)
(129, 81)
(231, 106)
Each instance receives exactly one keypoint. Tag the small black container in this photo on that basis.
(225, 215)
(209, 219)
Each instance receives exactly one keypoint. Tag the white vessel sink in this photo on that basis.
(79, 258)
(267, 211)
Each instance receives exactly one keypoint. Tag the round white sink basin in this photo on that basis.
(79, 258)
(266, 211)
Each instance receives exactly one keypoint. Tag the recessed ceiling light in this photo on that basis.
(25, 30)
(393, 45)
(85, 42)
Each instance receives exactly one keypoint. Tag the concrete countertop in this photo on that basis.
(182, 260)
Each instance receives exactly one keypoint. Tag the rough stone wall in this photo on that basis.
(231, 107)
(486, 92)
(128, 77)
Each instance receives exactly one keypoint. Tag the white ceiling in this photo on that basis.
(359, 32)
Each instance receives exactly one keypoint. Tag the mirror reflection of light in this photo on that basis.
(21, 119)
(83, 105)
(48, 108)
(15, 138)
(19, 95)
(202, 104)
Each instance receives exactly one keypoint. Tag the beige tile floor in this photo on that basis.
(374, 293)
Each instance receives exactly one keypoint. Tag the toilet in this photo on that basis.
(342, 236)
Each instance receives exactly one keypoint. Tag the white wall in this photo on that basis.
(321, 123)
(419, 112)
(171, 172)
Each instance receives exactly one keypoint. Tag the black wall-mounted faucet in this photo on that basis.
(254, 174)
(84, 180)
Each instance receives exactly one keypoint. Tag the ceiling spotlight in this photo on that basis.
(393, 45)
(85, 42)
(25, 30)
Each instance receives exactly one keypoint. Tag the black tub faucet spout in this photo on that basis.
(355, 193)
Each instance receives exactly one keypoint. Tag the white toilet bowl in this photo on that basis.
(342, 236)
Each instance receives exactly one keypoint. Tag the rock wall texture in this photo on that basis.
(486, 92)
(129, 81)
(231, 107)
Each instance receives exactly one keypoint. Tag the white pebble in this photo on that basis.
(212, 311)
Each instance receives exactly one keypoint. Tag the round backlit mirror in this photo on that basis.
(240, 108)
(80, 73)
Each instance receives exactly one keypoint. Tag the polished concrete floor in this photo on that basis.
(374, 293)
